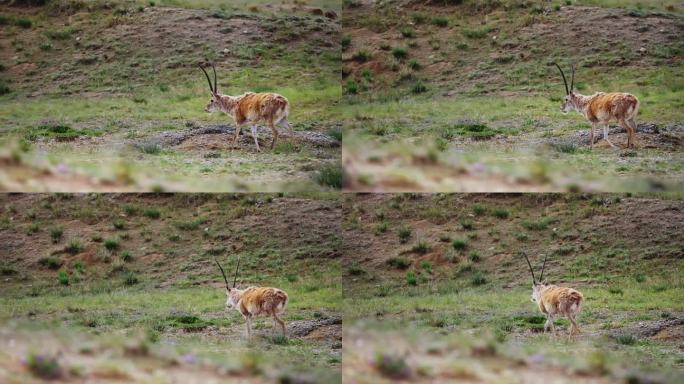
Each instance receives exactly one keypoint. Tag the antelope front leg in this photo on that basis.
(575, 329)
(275, 133)
(591, 136)
(236, 133)
(254, 135)
(549, 323)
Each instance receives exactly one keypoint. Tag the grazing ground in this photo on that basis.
(87, 90)
(443, 278)
(124, 287)
(466, 97)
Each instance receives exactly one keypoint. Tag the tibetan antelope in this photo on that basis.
(602, 108)
(256, 301)
(554, 300)
(250, 108)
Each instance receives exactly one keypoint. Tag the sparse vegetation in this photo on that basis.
(50, 262)
(391, 366)
(330, 176)
(399, 262)
(478, 279)
(411, 278)
(440, 21)
(63, 277)
(538, 225)
(400, 53)
(502, 213)
(362, 56)
(459, 244)
(111, 244)
(408, 33)
(24, 23)
(74, 247)
(56, 234)
(421, 247)
(404, 232)
(152, 213)
(130, 279)
(477, 33)
(467, 224)
(43, 366)
(126, 256)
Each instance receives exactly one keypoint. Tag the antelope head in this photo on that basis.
(537, 286)
(232, 293)
(214, 104)
(569, 100)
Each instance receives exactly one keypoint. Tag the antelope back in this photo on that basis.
(263, 301)
(554, 299)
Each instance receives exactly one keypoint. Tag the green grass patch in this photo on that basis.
(475, 131)
(58, 132)
(330, 176)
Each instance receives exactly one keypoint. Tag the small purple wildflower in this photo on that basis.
(62, 168)
(189, 358)
(536, 359)
(478, 167)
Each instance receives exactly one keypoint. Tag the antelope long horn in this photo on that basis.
(223, 273)
(216, 84)
(207, 75)
(236, 272)
(572, 81)
(530, 265)
(541, 278)
(567, 92)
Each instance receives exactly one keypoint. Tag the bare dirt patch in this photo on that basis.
(215, 137)
(671, 330)
(669, 138)
(327, 327)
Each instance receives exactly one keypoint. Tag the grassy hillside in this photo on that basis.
(472, 86)
(99, 275)
(119, 78)
(443, 275)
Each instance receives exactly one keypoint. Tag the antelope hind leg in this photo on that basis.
(279, 321)
(248, 321)
(605, 135)
(287, 127)
(631, 138)
(254, 135)
(275, 134)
